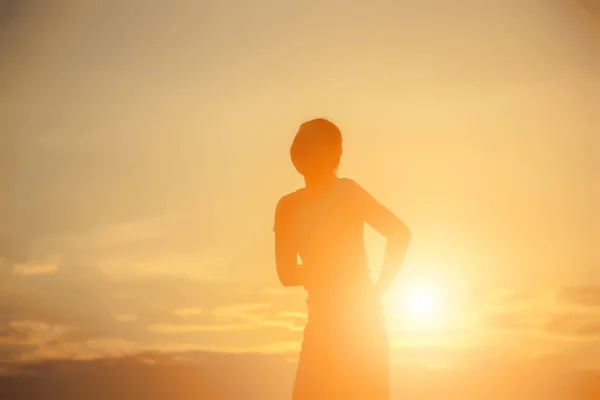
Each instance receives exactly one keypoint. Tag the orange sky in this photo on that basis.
(148, 146)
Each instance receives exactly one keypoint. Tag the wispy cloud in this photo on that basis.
(586, 296)
(35, 269)
(241, 310)
(182, 328)
(126, 318)
(510, 321)
(574, 325)
(188, 312)
(293, 315)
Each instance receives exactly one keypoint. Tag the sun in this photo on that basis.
(431, 305)
(420, 302)
(416, 305)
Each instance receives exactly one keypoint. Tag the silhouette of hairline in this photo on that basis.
(317, 147)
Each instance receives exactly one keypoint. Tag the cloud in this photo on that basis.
(111, 347)
(510, 321)
(160, 328)
(83, 296)
(157, 245)
(28, 341)
(589, 330)
(513, 297)
(585, 296)
(99, 307)
(36, 340)
(260, 315)
(240, 310)
(35, 269)
(90, 309)
(126, 317)
(293, 315)
(580, 326)
(187, 312)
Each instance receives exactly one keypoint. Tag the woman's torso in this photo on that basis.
(328, 234)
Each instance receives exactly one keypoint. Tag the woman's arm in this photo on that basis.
(396, 232)
(286, 259)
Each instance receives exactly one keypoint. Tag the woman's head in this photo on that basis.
(317, 148)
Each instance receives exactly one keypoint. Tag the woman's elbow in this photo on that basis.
(286, 277)
(287, 284)
(401, 234)
(284, 280)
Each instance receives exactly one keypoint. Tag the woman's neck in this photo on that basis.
(320, 182)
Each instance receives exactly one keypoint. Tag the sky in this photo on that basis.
(145, 145)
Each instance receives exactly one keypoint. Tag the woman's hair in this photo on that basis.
(317, 147)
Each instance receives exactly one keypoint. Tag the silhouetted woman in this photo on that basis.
(345, 348)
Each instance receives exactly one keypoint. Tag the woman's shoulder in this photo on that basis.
(349, 184)
(353, 190)
(290, 198)
(347, 181)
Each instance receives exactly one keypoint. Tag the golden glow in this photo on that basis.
(420, 302)
(146, 161)
(417, 306)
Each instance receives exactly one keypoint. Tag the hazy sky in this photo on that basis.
(145, 145)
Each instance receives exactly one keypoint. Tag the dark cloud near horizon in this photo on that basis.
(151, 376)
(217, 376)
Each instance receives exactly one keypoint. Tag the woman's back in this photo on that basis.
(327, 229)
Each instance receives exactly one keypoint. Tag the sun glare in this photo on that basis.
(420, 302)
(417, 306)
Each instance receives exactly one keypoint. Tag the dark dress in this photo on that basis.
(345, 348)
